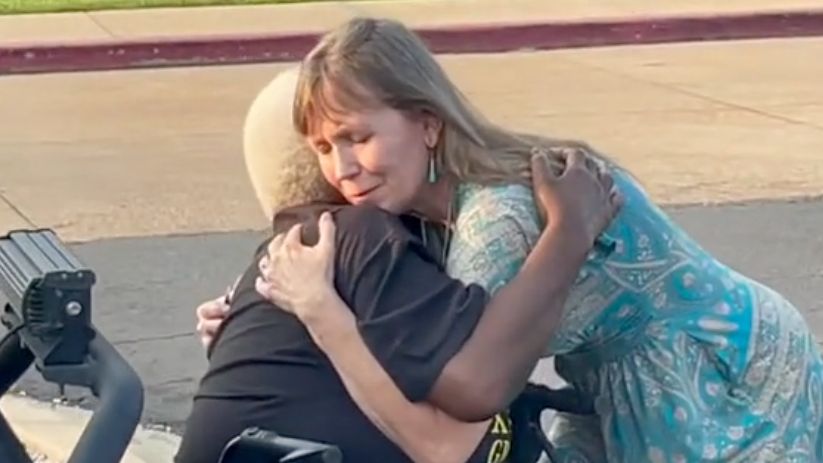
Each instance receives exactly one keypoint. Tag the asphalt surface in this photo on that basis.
(148, 287)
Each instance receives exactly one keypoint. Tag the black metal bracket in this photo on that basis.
(45, 293)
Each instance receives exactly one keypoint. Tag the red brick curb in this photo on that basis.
(484, 38)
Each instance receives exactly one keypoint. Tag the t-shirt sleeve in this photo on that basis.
(413, 317)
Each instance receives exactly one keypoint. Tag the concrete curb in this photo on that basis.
(52, 430)
(482, 38)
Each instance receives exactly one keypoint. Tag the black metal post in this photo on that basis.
(11, 450)
(15, 359)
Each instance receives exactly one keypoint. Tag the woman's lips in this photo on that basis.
(363, 194)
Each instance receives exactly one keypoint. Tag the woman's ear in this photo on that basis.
(432, 126)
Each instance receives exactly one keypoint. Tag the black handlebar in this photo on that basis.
(120, 391)
(45, 295)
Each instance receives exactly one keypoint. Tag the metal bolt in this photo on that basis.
(74, 308)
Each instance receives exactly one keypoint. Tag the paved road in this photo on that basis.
(164, 146)
(148, 287)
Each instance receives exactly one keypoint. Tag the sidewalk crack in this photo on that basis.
(101, 25)
(165, 337)
(17, 211)
(694, 94)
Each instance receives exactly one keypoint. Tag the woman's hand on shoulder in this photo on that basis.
(299, 278)
(582, 197)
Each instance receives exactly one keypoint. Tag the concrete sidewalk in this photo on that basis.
(270, 33)
(121, 160)
(149, 286)
(52, 430)
(699, 123)
(320, 16)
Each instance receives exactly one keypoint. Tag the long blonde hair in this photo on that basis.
(374, 62)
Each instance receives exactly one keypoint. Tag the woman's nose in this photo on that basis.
(345, 164)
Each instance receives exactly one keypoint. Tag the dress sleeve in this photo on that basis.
(496, 229)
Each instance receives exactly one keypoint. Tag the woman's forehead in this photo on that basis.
(367, 117)
(330, 122)
(341, 103)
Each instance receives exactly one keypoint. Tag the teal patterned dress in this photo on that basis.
(686, 359)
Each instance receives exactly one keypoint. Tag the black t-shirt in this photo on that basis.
(265, 370)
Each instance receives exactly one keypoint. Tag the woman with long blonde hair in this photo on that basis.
(685, 359)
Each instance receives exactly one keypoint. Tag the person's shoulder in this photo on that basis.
(300, 214)
(350, 220)
(355, 215)
(369, 242)
(472, 196)
(483, 203)
(369, 222)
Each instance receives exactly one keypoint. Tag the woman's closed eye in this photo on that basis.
(356, 138)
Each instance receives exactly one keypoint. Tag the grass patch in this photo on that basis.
(59, 6)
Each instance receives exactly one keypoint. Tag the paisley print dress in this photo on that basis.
(686, 359)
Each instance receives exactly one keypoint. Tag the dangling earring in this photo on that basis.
(432, 168)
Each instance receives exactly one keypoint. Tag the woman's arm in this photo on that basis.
(560, 252)
(290, 279)
(529, 292)
(527, 298)
(425, 433)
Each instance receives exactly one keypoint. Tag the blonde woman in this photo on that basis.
(265, 371)
(685, 359)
